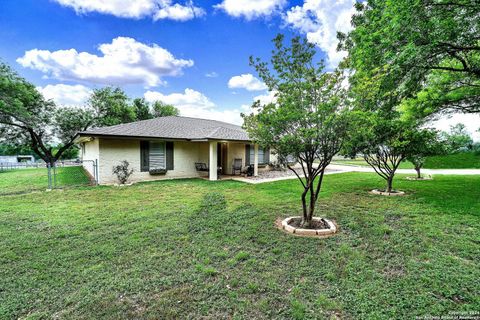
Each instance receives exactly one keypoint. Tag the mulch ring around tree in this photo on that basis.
(419, 179)
(321, 227)
(388, 194)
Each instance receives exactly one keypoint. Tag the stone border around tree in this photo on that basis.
(419, 179)
(388, 194)
(317, 233)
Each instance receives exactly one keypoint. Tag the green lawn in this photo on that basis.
(463, 160)
(25, 180)
(361, 162)
(165, 250)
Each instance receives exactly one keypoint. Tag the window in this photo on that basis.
(156, 155)
(263, 155)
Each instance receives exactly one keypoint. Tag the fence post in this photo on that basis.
(49, 170)
(96, 171)
(55, 175)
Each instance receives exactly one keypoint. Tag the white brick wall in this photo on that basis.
(111, 152)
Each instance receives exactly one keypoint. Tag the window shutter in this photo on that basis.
(247, 154)
(169, 155)
(157, 155)
(267, 155)
(144, 156)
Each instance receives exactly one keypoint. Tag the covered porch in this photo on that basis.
(224, 157)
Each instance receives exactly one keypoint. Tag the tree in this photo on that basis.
(141, 109)
(427, 51)
(385, 140)
(161, 109)
(308, 121)
(458, 139)
(427, 143)
(26, 118)
(111, 106)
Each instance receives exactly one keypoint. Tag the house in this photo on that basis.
(17, 159)
(172, 144)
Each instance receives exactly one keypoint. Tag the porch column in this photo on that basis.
(255, 161)
(212, 161)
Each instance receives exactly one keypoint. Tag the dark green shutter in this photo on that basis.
(169, 155)
(144, 156)
(247, 154)
(266, 155)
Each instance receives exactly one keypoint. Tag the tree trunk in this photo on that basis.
(305, 220)
(417, 168)
(389, 184)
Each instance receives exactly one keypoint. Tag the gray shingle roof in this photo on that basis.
(174, 128)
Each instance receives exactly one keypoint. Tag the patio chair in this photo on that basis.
(237, 166)
(202, 166)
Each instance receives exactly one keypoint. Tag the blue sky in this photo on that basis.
(193, 54)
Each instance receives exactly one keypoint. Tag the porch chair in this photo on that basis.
(237, 166)
(202, 166)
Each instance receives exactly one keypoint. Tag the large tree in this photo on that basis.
(26, 118)
(308, 119)
(457, 139)
(112, 106)
(161, 109)
(427, 51)
(141, 109)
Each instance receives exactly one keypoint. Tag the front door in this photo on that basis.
(222, 149)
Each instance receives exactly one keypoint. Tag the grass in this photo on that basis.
(201, 249)
(25, 180)
(361, 162)
(463, 160)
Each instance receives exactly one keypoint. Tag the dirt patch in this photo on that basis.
(316, 224)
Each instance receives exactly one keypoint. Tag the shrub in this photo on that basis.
(122, 171)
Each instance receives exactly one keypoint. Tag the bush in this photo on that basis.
(122, 171)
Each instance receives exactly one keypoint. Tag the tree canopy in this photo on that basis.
(161, 109)
(26, 118)
(426, 52)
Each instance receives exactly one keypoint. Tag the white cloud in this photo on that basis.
(264, 99)
(192, 103)
(136, 9)
(246, 81)
(179, 12)
(320, 20)
(212, 74)
(251, 9)
(471, 122)
(63, 94)
(124, 61)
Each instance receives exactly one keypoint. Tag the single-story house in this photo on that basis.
(175, 146)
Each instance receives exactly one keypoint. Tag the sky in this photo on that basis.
(189, 53)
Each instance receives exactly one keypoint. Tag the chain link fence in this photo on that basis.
(19, 178)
